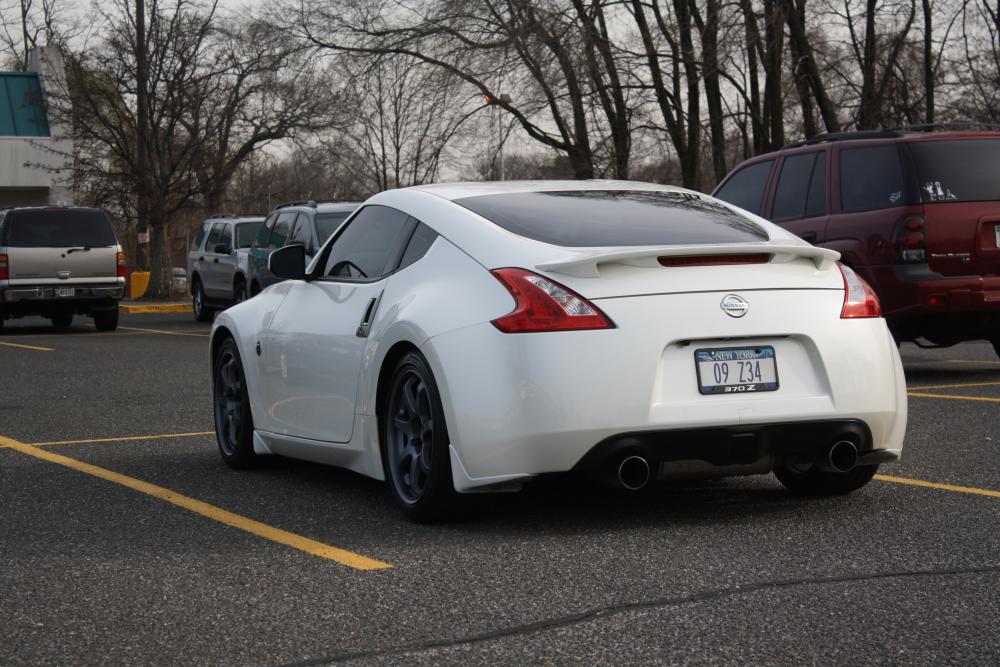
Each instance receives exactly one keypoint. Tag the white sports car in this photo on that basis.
(471, 336)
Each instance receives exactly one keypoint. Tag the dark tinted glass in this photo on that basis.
(301, 233)
(370, 246)
(746, 187)
(245, 233)
(227, 236)
(793, 186)
(816, 203)
(282, 230)
(202, 233)
(421, 241)
(44, 228)
(327, 223)
(603, 218)
(963, 170)
(214, 236)
(870, 178)
(261, 239)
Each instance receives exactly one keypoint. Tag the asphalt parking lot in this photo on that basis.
(125, 540)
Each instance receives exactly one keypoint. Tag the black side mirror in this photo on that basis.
(288, 263)
(221, 249)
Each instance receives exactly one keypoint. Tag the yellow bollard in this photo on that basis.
(140, 282)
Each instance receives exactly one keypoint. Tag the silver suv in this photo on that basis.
(58, 262)
(217, 263)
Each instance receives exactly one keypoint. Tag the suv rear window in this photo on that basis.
(954, 171)
(245, 233)
(327, 224)
(46, 228)
(871, 178)
(603, 218)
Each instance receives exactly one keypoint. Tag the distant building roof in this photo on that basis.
(22, 106)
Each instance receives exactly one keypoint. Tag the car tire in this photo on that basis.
(62, 320)
(816, 482)
(415, 456)
(106, 320)
(231, 409)
(240, 292)
(201, 311)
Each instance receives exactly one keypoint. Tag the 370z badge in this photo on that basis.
(734, 306)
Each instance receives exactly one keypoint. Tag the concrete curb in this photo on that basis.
(146, 308)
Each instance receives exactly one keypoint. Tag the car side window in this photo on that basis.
(870, 178)
(370, 246)
(800, 192)
(260, 241)
(421, 241)
(214, 236)
(227, 237)
(281, 231)
(302, 233)
(202, 233)
(746, 187)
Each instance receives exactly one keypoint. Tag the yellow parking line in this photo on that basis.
(987, 399)
(166, 332)
(937, 485)
(954, 386)
(309, 546)
(159, 436)
(36, 348)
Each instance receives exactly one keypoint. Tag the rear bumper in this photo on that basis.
(48, 293)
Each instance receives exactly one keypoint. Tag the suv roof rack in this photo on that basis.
(216, 216)
(949, 127)
(298, 202)
(846, 136)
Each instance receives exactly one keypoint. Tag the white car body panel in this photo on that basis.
(519, 405)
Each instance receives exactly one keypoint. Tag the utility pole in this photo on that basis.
(141, 125)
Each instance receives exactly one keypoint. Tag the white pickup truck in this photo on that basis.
(58, 262)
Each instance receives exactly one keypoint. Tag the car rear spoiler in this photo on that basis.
(585, 264)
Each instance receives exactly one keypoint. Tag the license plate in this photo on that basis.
(65, 291)
(736, 370)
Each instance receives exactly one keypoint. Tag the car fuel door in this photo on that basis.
(316, 344)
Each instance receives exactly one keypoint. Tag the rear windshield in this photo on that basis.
(246, 232)
(327, 224)
(45, 228)
(955, 171)
(602, 218)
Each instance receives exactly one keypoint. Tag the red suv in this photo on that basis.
(916, 213)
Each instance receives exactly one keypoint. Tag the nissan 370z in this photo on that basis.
(469, 337)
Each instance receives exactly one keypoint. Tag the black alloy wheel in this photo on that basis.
(415, 444)
(231, 407)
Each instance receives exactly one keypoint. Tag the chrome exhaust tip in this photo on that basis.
(842, 457)
(633, 473)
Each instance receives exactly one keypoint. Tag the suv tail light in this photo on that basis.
(4, 268)
(121, 265)
(541, 304)
(859, 297)
(911, 240)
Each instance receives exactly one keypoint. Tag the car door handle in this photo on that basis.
(366, 319)
(809, 237)
(216, 260)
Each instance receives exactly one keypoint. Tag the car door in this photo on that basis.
(800, 196)
(317, 338)
(225, 267)
(209, 261)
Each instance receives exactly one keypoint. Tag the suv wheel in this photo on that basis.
(106, 320)
(62, 320)
(201, 312)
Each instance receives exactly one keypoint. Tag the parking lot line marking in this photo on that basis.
(937, 485)
(166, 332)
(304, 544)
(954, 386)
(36, 348)
(987, 399)
(158, 436)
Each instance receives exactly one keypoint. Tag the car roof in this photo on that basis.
(453, 191)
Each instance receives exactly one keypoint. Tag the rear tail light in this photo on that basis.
(714, 260)
(911, 240)
(4, 268)
(121, 265)
(859, 298)
(541, 304)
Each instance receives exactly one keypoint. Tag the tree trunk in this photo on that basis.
(691, 161)
(709, 28)
(800, 43)
(759, 132)
(774, 40)
(928, 62)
